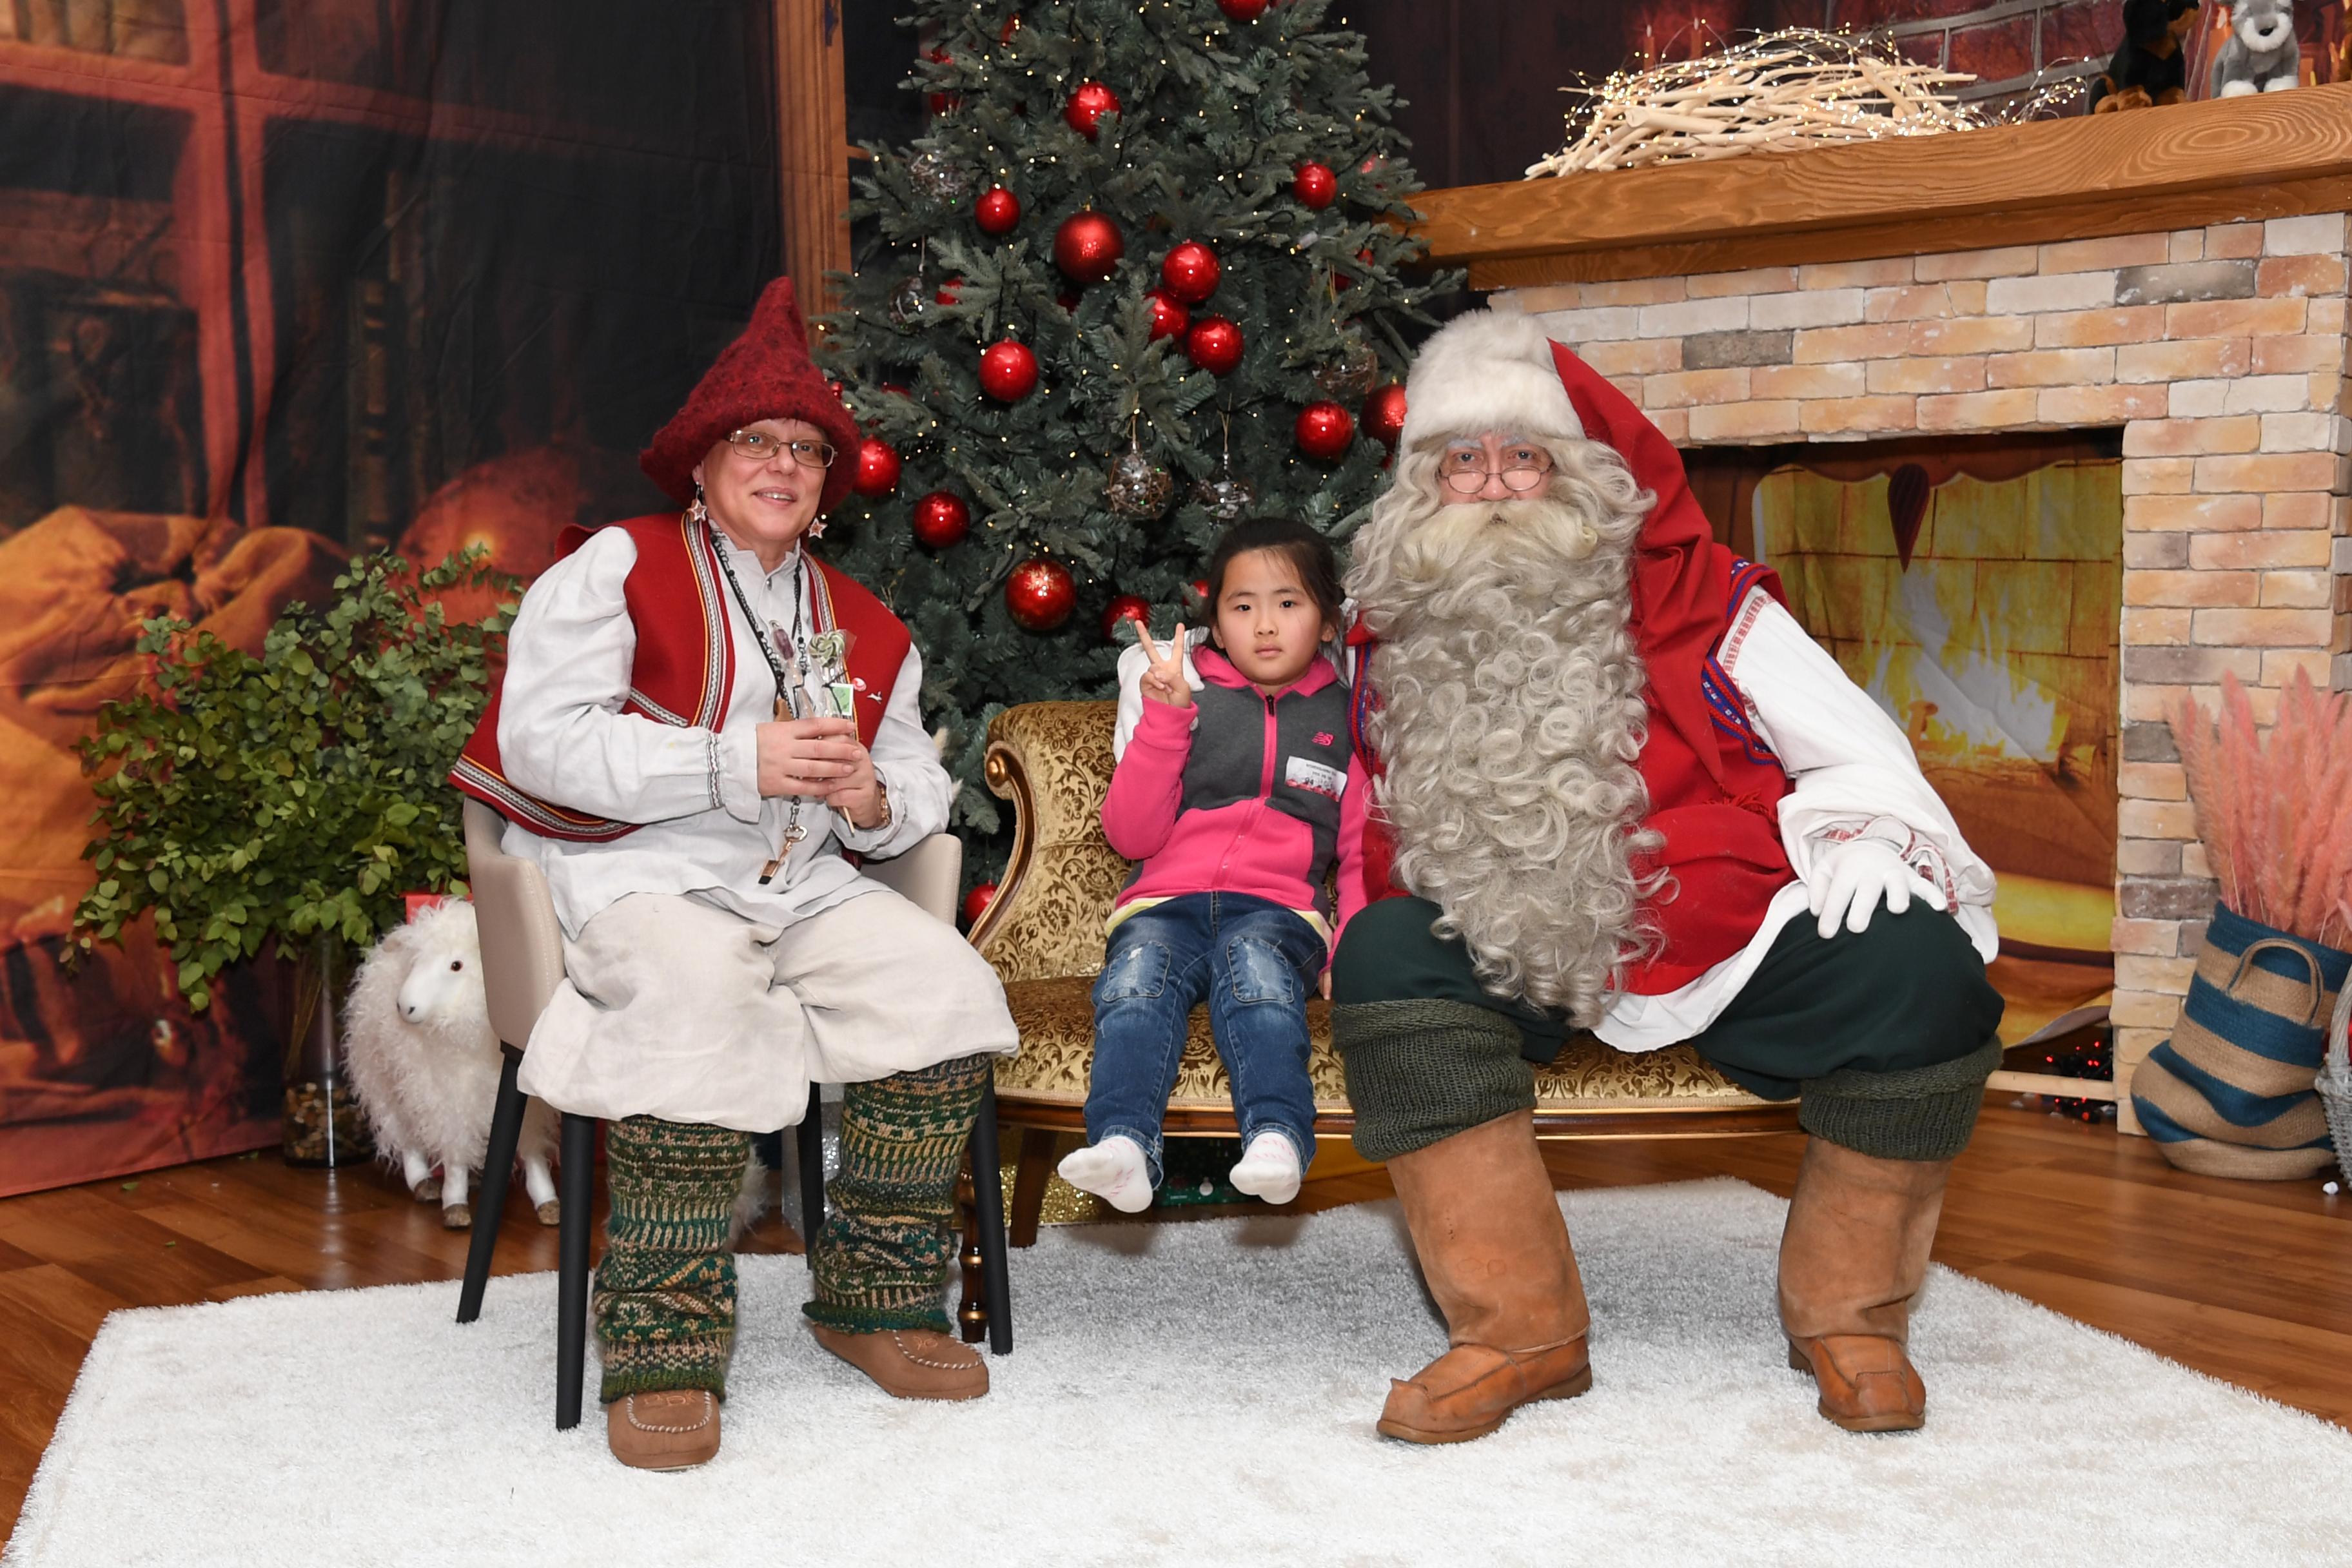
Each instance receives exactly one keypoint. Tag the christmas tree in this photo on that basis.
(1139, 279)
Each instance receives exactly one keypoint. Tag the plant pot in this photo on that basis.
(321, 1125)
(2230, 1094)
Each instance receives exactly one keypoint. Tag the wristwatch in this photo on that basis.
(882, 794)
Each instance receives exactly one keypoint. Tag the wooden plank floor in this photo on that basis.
(2249, 1281)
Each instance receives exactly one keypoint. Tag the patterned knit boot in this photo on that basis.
(665, 1298)
(880, 1264)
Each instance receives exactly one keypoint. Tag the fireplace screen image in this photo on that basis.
(1975, 591)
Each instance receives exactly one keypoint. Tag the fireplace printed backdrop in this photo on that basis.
(1975, 591)
(280, 282)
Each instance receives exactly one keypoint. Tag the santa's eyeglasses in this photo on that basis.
(1523, 469)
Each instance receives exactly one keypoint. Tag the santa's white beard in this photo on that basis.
(1509, 720)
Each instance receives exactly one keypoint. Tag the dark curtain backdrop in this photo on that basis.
(281, 279)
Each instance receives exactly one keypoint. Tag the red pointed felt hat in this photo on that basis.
(766, 374)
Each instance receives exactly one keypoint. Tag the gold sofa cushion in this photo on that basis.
(1057, 1018)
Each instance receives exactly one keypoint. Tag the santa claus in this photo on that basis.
(1619, 788)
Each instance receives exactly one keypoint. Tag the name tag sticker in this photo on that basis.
(1321, 778)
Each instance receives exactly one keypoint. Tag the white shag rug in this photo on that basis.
(1182, 1394)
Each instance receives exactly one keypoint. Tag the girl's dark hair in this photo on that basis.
(1307, 550)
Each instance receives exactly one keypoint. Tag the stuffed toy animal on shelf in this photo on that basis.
(2261, 55)
(2151, 65)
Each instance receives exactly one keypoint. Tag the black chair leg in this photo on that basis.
(498, 1172)
(988, 1203)
(571, 1266)
(809, 1139)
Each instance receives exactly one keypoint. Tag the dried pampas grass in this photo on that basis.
(2276, 811)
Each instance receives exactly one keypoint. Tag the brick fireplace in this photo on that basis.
(2217, 347)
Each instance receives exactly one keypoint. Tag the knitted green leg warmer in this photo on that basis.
(883, 1258)
(664, 1299)
(1922, 1113)
(1422, 1070)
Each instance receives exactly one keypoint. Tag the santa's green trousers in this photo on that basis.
(1885, 1036)
(664, 1297)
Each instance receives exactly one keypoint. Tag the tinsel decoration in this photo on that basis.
(939, 177)
(1349, 374)
(997, 212)
(1781, 93)
(1086, 248)
(1137, 487)
(1040, 594)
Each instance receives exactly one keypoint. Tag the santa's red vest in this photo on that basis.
(684, 667)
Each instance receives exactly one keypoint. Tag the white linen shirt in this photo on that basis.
(706, 830)
(1850, 769)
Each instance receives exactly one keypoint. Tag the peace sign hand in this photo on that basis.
(1163, 678)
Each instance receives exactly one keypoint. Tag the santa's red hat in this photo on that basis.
(766, 374)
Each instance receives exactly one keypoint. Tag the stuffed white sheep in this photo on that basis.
(424, 1063)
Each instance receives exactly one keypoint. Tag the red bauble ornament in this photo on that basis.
(1189, 272)
(941, 102)
(1011, 26)
(942, 517)
(1215, 344)
(1086, 107)
(1008, 371)
(976, 902)
(1384, 413)
(1087, 246)
(1244, 10)
(1314, 184)
(1168, 318)
(1200, 587)
(1041, 593)
(997, 211)
(877, 468)
(1124, 607)
(1325, 431)
(946, 294)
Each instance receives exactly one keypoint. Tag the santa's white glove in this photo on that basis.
(1852, 879)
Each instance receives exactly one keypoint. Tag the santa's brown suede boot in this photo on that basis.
(1495, 1253)
(1851, 1258)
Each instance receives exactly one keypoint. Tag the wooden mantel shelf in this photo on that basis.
(2226, 160)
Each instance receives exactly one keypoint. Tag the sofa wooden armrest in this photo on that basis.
(1043, 933)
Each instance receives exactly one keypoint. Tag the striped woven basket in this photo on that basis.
(2232, 1092)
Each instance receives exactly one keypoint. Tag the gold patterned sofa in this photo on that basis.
(1043, 933)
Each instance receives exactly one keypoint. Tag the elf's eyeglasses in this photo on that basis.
(1523, 469)
(759, 446)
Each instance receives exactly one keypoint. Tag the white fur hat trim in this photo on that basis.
(1488, 370)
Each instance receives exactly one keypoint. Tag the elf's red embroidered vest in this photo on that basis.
(685, 662)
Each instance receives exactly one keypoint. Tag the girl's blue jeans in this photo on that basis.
(1254, 963)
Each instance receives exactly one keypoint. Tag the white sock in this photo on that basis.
(1113, 1171)
(1268, 1169)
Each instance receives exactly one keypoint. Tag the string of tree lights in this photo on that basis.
(1138, 278)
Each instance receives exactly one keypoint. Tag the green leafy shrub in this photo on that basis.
(296, 794)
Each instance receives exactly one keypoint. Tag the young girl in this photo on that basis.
(1232, 761)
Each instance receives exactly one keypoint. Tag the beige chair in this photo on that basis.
(522, 964)
(1043, 933)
